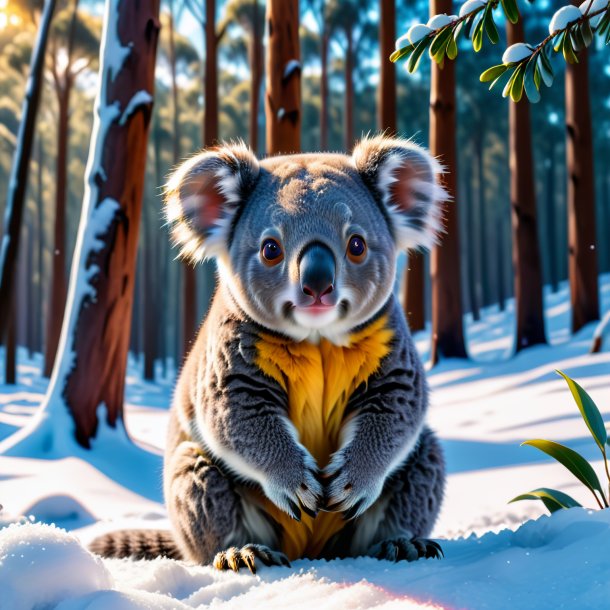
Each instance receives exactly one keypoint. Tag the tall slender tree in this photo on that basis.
(73, 45)
(21, 161)
(526, 252)
(91, 362)
(447, 315)
(283, 95)
(582, 250)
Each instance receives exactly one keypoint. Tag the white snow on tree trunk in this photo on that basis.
(52, 430)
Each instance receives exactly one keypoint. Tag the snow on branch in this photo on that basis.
(525, 67)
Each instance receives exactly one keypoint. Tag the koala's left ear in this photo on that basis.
(404, 177)
(203, 195)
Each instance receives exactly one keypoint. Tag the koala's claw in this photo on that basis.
(234, 558)
(407, 549)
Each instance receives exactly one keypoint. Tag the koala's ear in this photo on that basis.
(404, 177)
(204, 194)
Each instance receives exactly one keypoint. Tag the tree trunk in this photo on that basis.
(91, 362)
(447, 315)
(15, 202)
(348, 111)
(484, 234)
(174, 85)
(210, 121)
(526, 252)
(283, 97)
(415, 287)
(10, 354)
(472, 258)
(582, 262)
(40, 315)
(387, 76)
(57, 301)
(324, 87)
(551, 218)
(256, 63)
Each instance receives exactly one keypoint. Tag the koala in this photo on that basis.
(297, 428)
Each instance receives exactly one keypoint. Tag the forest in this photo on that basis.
(100, 101)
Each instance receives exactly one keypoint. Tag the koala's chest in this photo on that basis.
(319, 380)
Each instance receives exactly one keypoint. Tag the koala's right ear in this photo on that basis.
(203, 196)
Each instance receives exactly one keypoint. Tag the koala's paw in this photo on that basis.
(405, 548)
(246, 557)
(296, 486)
(351, 486)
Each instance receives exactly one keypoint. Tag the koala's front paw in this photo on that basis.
(352, 485)
(294, 485)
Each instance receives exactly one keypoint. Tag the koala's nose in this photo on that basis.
(317, 270)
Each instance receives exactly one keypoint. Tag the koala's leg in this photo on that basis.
(212, 521)
(395, 526)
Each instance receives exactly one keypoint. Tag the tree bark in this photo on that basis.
(526, 252)
(484, 234)
(57, 302)
(21, 162)
(210, 120)
(325, 39)
(551, 218)
(174, 85)
(387, 75)
(283, 96)
(447, 314)
(10, 354)
(91, 362)
(582, 250)
(40, 310)
(415, 287)
(348, 111)
(256, 66)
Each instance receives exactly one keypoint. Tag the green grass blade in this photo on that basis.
(589, 411)
(553, 499)
(571, 460)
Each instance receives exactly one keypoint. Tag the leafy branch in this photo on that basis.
(526, 67)
(572, 460)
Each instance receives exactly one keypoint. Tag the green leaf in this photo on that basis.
(603, 24)
(608, 37)
(477, 36)
(402, 53)
(490, 27)
(568, 51)
(546, 70)
(572, 460)
(493, 73)
(537, 76)
(516, 91)
(531, 89)
(558, 42)
(468, 25)
(439, 44)
(578, 42)
(589, 411)
(421, 46)
(511, 10)
(452, 49)
(507, 88)
(586, 32)
(553, 499)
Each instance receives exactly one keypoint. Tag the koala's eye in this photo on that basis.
(271, 252)
(356, 248)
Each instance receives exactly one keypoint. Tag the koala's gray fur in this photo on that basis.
(231, 441)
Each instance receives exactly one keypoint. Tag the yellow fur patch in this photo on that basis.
(319, 380)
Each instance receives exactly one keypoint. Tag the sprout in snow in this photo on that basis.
(440, 21)
(516, 52)
(471, 5)
(417, 32)
(592, 6)
(563, 17)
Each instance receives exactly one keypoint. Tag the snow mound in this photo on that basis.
(565, 15)
(516, 52)
(41, 565)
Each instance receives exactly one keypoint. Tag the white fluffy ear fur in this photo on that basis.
(203, 195)
(404, 177)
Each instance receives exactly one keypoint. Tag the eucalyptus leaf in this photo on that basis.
(531, 89)
(490, 27)
(452, 49)
(511, 10)
(439, 44)
(553, 499)
(516, 90)
(558, 42)
(589, 411)
(572, 460)
(402, 53)
(546, 70)
(493, 73)
(586, 32)
(413, 62)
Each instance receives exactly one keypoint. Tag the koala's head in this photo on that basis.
(307, 244)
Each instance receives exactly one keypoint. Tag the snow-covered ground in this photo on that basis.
(495, 557)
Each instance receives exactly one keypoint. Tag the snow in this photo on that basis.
(417, 32)
(592, 6)
(294, 65)
(564, 16)
(440, 21)
(516, 52)
(470, 6)
(497, 555)
(140, 99)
